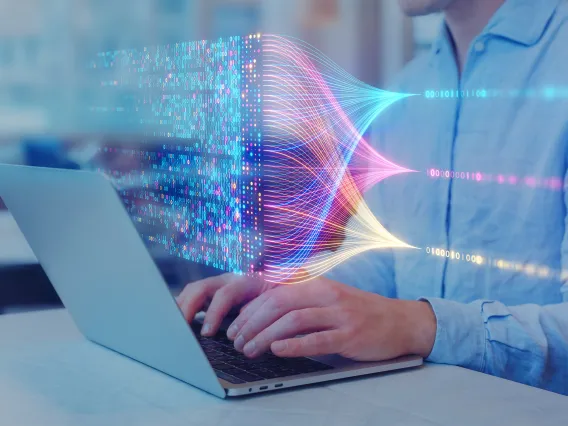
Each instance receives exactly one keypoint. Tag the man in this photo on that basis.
(505, 321)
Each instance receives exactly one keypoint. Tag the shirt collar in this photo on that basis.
(521, 21)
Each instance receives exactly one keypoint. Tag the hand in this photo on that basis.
(219, 295)
(334, 319)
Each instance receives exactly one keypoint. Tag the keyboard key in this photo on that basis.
(229, 378)
(265, 358)
(221, 366)
(224, 357)
(234, 371)
(216, 357)
(210, 352)
(272, 366)
(222, 340)
(251, 362)
(239, 364)
(265, 362)
(247, 367)
(231, 364)
(230, 351)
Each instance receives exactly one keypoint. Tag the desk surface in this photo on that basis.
(50, 375)
(14, 249)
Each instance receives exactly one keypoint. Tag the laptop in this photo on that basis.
(90, 249)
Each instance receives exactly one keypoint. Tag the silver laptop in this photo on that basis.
(89, 248)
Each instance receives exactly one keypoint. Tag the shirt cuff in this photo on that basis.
(460, 334)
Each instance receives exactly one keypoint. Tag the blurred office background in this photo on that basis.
(45, 44)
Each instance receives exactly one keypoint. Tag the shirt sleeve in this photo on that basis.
(527, 343)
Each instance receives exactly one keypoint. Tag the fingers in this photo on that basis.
(238, 290)
(218, 295)
(195, 295)
(247, 311)
(244, 307)
(268, 308)
(263, 311)
(315, 344)
(290, 325)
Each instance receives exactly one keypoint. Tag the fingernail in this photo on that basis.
(279, 346)
(250, 348)
(232, 331)
(239, 343)
(206, 329)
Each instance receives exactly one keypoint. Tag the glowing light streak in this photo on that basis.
(548, 93)
(525, 268)
(552, 183)
(273, 173)
(314, 117)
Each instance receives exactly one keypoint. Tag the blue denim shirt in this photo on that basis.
(488, 206)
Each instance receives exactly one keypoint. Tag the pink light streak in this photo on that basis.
(551, 183)
(316, 162)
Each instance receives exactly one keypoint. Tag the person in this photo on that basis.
(506, 312)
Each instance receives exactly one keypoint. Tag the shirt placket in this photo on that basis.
(458, 112)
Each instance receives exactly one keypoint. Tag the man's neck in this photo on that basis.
(466, 19)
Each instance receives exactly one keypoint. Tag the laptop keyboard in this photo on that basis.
(234, 367)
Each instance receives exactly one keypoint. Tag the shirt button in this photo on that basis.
(479, 46)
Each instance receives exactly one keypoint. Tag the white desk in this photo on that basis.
(49, 375)
(14, 249)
